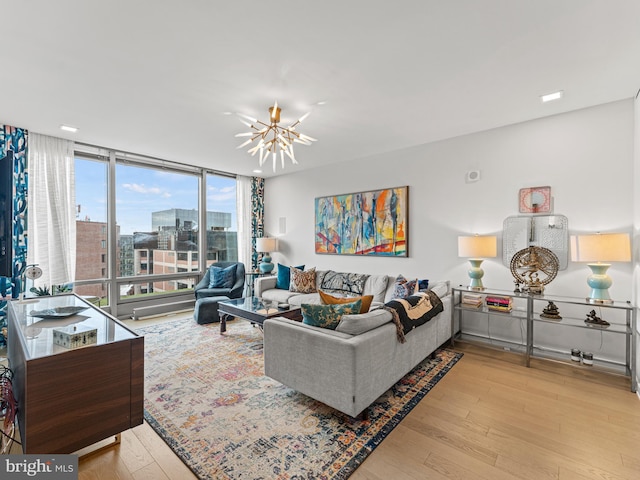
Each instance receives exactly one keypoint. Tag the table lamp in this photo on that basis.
(266, 245)
(477, 248)
(598, 249)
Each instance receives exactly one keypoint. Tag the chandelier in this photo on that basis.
(272, 138)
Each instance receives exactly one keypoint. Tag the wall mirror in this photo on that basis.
(548, 231)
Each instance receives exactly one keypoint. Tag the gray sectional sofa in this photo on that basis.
(350, 367)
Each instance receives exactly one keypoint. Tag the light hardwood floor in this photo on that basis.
(488, 418)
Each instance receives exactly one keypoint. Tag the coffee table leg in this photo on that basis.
(223, 323)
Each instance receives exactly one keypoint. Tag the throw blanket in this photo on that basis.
(413, 311)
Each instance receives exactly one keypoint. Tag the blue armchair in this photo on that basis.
(202, 289)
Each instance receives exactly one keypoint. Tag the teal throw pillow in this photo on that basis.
(283, 281)
(328, 316)
(222, 277)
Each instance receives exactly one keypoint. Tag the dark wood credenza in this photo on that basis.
(69, 399)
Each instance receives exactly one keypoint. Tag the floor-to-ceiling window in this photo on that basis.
(158, 218)
(221, 219)
(92, 255)
(152, 248)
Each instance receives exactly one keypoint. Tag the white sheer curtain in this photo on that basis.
(52, 209)
(243, 201)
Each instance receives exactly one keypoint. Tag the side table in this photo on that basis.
(250, 278)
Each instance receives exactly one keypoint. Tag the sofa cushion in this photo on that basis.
(339, 282)
(331, 300)
(327, 316)
(360, 323)
(277, 295)
(284, 276)
(222, 277)
(376, 285)
(403, 287)
(440, 288)
(297, 299)
(303, 282)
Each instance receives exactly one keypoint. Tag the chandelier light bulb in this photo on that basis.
(273, 138)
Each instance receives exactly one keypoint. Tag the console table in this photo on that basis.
(69, 399)
(527, 310)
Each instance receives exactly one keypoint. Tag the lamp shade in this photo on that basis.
(601, 247)
(477, 246)
(265, 244)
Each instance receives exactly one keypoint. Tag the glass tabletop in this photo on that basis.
(258, 305)
(36, 318)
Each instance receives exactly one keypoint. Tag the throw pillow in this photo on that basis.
(222, 277)
(338, 282)
(403, 287)
(331, 300)
(328, 316)
(303, 282)
(284, 276)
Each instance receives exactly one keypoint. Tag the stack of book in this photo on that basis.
(472, 300)
(499, 303)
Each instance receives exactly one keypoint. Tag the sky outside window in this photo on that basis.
(141, 191)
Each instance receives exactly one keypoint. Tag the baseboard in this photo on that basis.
(152, 310)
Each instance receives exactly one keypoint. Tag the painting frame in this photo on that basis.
(368, 223)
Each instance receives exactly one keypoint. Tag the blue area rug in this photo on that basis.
(206, 395)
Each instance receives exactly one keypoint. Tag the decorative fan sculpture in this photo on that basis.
(534, 267)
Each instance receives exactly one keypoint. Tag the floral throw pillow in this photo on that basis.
(303, 282)
(403, 287)
(328, 316)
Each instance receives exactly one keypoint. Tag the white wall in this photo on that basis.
(585, 156)
(636, 224)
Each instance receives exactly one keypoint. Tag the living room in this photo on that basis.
(464, 178)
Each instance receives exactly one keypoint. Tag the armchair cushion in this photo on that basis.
(202, 290)
(222, 277)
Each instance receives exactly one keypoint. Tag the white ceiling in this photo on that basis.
(155, 77)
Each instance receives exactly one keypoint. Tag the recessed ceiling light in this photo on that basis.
(323, 102)
(552, 96)
(68, 128)
(257, 171)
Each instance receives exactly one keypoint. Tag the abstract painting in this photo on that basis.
(364, 223)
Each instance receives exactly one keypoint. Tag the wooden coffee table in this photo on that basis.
(254, 310)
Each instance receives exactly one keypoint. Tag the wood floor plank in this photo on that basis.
(150, 472)
(134, 454)
(169, 462)
(104, 465)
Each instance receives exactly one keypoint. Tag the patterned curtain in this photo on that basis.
(257, 217)
(15, 139)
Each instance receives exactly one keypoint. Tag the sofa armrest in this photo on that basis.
(264, 283)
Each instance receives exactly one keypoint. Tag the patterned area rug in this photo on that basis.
(206, 395)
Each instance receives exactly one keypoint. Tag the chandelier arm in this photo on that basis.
(273, 137)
